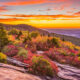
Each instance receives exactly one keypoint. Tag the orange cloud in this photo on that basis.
(40, 21)
(42, 16)
(3, 9)
(63, 6)
(16, 3)
(46, 9)
(30, 2)
(78, 13)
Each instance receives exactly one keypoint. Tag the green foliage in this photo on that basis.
(3, 38)
(34, 34)
(41, 66)
(72, 54)
(79, 58)
(55, 41)
(64, 53)
(19, 34)
(28, 38)
(63, 39)
(22, 53)
(3, 57)
(13, 32)
(5, 49)
(79, 54)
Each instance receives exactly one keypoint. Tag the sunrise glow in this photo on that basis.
(41, 13)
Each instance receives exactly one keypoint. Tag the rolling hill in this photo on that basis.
(24, 27)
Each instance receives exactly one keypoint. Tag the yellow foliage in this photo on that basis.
(26, 46)
(11, 37)
(3, 57)
(68, 44)
(40, 39)
(17, 42)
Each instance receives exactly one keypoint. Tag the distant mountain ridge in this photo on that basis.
(24, 27)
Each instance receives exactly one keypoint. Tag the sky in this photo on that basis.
(41, 13)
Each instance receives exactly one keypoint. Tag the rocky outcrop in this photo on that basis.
(9, 72)
(68, 72)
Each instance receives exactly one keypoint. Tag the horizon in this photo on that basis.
(41, 13)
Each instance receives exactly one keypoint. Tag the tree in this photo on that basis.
(28, 38)
(19, 34)
(13, 32)
(55, 41)
(3, 38)
(34, 34)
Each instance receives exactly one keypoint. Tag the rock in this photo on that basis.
(9, 72)
(68, 72)
(48, 78)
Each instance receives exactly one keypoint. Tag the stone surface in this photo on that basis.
(9, 72)
(68, 72)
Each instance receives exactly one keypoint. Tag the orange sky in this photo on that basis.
(41, 13)
(44, 21)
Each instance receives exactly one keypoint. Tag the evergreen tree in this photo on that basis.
(3, 38)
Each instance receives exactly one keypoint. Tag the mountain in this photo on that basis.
(24, 27)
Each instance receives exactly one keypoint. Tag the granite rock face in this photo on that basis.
(9, 72)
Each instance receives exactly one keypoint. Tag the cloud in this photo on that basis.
(46, 9)
(41, 16)
(29, 2)
(69, 12)
(62, 7)
(77, 14)
(59, 9)
(3, 9)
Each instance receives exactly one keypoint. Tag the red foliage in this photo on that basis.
(71, 57)
(11, 50)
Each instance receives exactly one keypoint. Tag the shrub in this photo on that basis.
(49, 43)
(10, 50)
(27, 39)
(41, 66)
(64, 53)
(79, 58)
(32, 47)
(22, 53)
(13, 32)
(79, 54)
(19, 34)
(72, 54)
(55, 41)
(3, 57)
(68, 45)
(3, 38)
(42, 46)
(34, 34)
